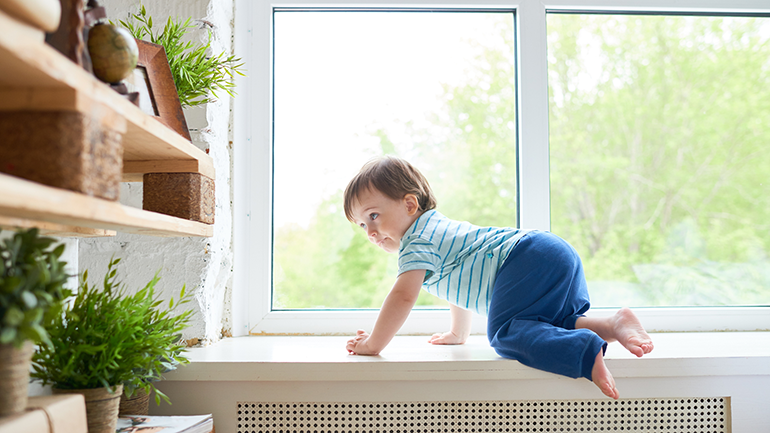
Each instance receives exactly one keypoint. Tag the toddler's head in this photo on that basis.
(394, 178)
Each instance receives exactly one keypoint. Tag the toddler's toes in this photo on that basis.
(603, 379)
(609, 390)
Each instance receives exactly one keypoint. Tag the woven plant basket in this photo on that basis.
(138, 404)
(101, 407)
(14, 377)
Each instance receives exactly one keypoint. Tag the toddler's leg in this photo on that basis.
(623, 327)
(569, 352)
(539, 295)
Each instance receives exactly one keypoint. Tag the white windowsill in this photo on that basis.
(322, 358)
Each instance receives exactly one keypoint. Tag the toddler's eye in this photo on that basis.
(363, 226)
(374, 216)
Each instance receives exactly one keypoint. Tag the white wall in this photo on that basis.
(202, 264)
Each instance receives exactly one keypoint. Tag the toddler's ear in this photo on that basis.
(412, 204)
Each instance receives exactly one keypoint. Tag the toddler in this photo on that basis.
(529, 283)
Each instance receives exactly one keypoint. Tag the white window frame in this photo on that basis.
(252, 164)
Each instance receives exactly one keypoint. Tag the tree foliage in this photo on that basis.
(656, 165)
(659, 133)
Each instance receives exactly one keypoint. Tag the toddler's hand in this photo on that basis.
(357, 345)
(446, 338)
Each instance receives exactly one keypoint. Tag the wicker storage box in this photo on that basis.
(63, 149)
(184, 195)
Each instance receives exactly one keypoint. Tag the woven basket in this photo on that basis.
(101, 407)
(138, 404)
(14, 377)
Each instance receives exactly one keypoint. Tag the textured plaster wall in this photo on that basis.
(204, 265)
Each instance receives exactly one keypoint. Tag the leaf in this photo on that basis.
(29, 299)
(40, 334)
(13, 317)
(11, 284)
(7, 335)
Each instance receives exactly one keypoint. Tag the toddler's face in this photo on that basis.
(384, 219)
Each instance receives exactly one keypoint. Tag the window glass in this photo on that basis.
(659, 152)
(435, 88)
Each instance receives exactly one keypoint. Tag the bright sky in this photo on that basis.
(340, 76)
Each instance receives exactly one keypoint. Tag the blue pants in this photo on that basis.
(539, 293)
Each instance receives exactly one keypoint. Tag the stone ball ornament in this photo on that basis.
(113, 52)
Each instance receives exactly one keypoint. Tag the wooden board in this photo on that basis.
(29, 200)
(43, 14)
(53, 229)
(133, 171)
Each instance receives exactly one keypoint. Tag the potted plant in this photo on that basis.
(136, 392)
(198, 74)
(107, 338)
(31, 290)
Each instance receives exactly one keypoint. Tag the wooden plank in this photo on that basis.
(20, 31)
(41, 14)
(52, 229)
(28, 200)
(133, 171)
(67, 99)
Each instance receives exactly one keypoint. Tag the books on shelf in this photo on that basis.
(165, 424)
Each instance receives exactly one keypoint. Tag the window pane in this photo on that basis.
(435, 88)
(659, 150)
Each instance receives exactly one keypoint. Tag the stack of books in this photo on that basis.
(165, 424)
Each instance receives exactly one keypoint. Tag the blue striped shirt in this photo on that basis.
(461, 260)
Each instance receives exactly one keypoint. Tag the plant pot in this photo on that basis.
(14, 377)
(138, 404)
(101, 407)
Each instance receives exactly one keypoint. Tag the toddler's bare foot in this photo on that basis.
(602, 378)
(628, 330)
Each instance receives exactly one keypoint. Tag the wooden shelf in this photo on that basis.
(39, 77)
(34, 76)
(32, 201)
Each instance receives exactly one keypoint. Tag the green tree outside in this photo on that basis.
(658, 166)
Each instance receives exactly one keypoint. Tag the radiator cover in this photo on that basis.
(699, 414)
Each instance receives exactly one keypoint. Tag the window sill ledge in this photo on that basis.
(322, 358)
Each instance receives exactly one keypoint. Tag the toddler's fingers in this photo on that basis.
(437, 339)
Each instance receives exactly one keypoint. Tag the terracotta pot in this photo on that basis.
(101, 407)
(14, 377)
(138, 404)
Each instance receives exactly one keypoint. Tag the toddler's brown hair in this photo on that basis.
(394, 178)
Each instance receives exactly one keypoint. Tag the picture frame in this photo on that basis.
(157, 93)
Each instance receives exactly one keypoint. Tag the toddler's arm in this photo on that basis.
(460, 329)
(393, 314)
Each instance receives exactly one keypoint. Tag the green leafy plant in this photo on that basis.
(108, 337)
(31, 287)
(197, 75)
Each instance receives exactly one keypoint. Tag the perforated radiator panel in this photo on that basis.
(710, 415)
